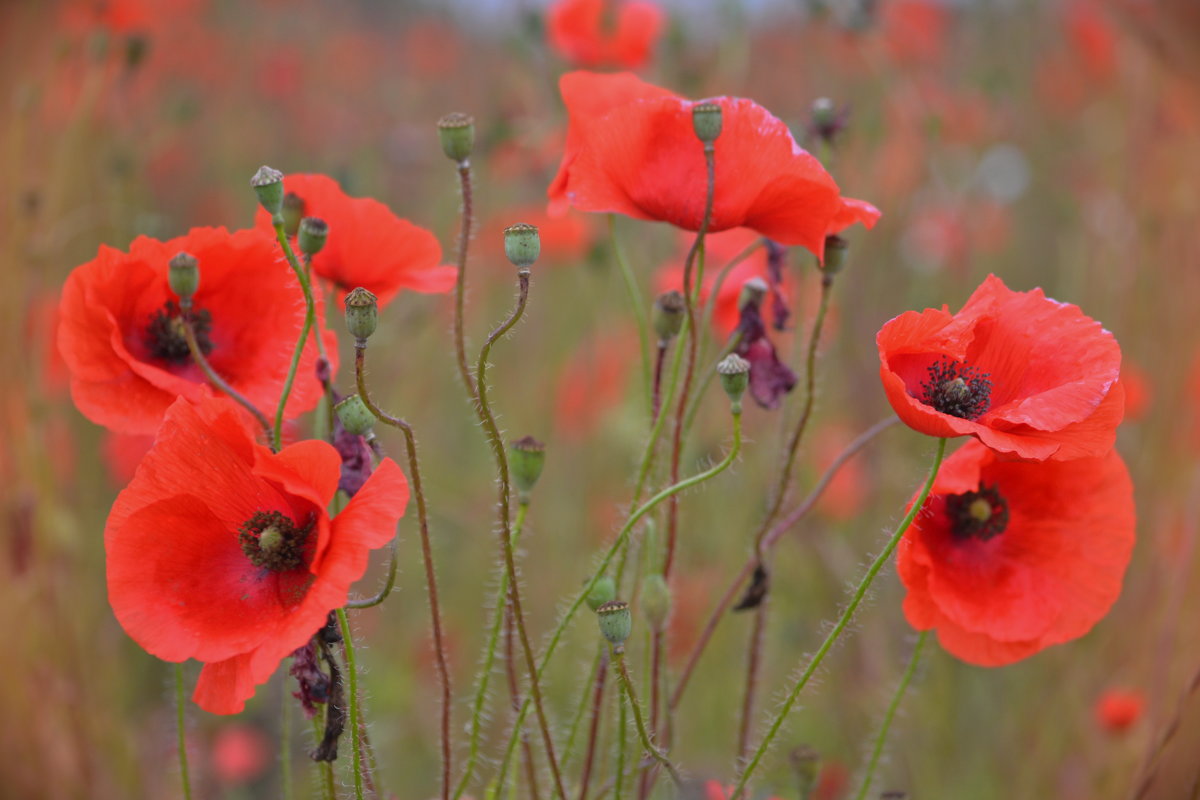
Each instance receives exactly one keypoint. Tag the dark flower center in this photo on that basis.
(272, 541)
(982, 514)
(165, 338)
(957, 389)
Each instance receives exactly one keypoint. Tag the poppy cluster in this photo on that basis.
(1025, 537)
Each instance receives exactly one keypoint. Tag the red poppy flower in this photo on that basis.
(1009, 557)
(604, 33)
(1026, 375)
(368, 245)
(631, 150)
(120, 337)
(240, 753)
(851, 211)
(1117, 710)
(222, 551)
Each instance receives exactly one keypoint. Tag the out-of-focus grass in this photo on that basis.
(94, 150)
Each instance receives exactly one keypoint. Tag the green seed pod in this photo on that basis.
(604, 590)
(835, 254)
(527, 456)
(457, 134)
(293, 212)
(668, 315)
(183, 275)
(362, 314)
(706, 121)
(522, 244)
(656, 601)
(616, 622)
(735, 375)
(268, 185)
(753, 292)
(313, 233)
(356, 418)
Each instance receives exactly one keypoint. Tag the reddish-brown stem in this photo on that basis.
(646, 782)
(656, 396)
(753, 672)
(460, 287)
(514, 694)
(594, 728)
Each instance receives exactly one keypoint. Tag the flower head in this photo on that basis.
(222, 551)
(604, 33)
(368, 245)
(120, 328)
(631, 149)
(1009, 557)
(1026, 375)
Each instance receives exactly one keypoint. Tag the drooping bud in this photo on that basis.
(835, 254)
(313, 233)
(522, 244)
(268, 185)
(656, 601)
(753, 292)
(616, 621)
(668, 315)
(355, 417)
(735, 376)
(706, 121)
(457, 134)
(183, 275)
(527, 456)
(293, 212)
(362, 314)
(604, 590)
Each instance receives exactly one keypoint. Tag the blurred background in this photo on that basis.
(1052, 143)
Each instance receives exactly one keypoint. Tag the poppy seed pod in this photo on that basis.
(604, 590)
(354, 415)
(293, 212)
(668, 315)
(754, 291)
(313, 233)
(656, 601)
(616, 621)
(527, 456)
(268, 185)
(362, 314)
(522, 244)
(835, 254)
(706, 122)
(457, 134)
(735, 376)
(183, 275)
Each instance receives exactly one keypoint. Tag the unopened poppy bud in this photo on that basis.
(183, 275)
(735, 375)
(668, 315)
(754, 291)
(656, 601)
(457, 134)
(835, 253)
(313, 233)
(268, 185)
(354, 415)
(522, 244)
(527, 456)
(293, 212)
(616, 622)
(604, 590)
(706, 121)
(362, 314)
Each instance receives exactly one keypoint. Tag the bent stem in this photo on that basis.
(414, 468)
(877, 750)
(189, 333)
(840, 625)
(352, 672)
(637, 303)
(460, 287)
(181, 726)
(310, 317)
(617, 655)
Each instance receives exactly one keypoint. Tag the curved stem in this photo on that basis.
(414, 468)
(460, 287)
(753, 671)
(618, 659)
(841, 624)
(389, 583)
(189, 333)
(181, 727)
(601, 675)
(638, 304)
(782, 527)
(620, 539)
(310, 316)
(877, 750)
(352, 673)
(734, 340)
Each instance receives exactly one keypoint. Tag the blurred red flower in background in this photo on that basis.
(914, 31)
(119, 328)
(604, 33)
(1009, 557)
(631, 150)
(720, 249)
(1026, 375)
(1118, 709)
(222, 551)
(565, 238)
(368, 245)
(241, 753)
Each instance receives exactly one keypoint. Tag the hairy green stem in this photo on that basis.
(460, 287)
(310, 316)
(181, 729)
(638, 303)
(618, 659)
(189, 334)
(352, 674)
(881, 739)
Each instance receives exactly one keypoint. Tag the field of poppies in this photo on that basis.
(627, 399)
